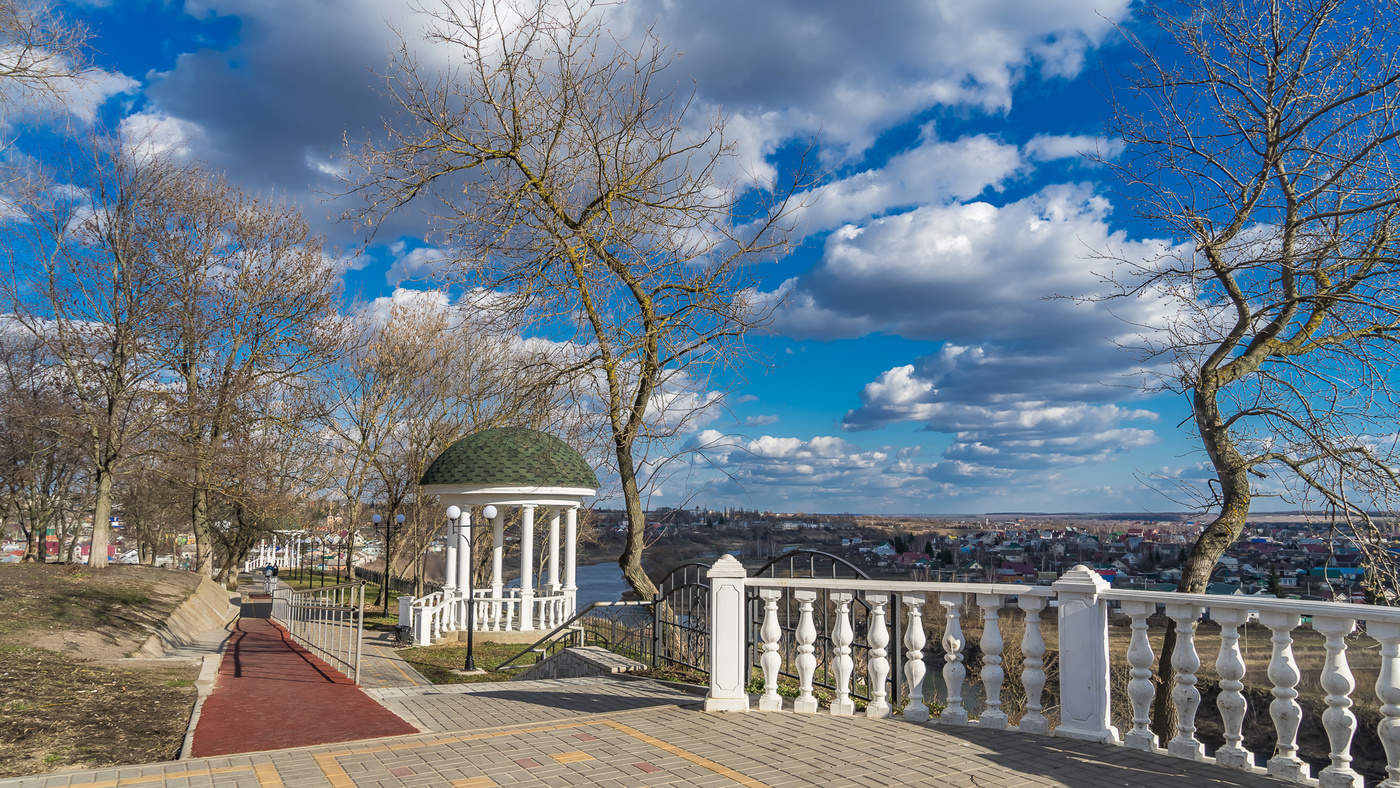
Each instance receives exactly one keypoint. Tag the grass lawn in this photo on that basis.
(436, 663)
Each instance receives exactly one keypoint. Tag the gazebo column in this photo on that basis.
(466, 584)
(554, 583)
(551, 616)
(449, 583)
(497, 551)
(527, 567)
(570, 561)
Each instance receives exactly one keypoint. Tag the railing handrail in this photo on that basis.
(898, 586)
(554, 633)
(835, 559)
(1305, 607)
(314, 591)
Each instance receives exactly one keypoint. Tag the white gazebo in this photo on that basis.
(486, 474)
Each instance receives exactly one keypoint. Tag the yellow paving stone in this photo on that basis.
(572, 757)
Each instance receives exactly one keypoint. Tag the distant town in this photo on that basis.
(1280, 554)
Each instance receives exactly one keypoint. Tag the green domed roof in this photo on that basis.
(511, 457)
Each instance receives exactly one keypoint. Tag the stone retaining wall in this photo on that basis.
(207, 608)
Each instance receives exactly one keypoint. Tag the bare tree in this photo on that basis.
(41, 463)
(1263, 142)
(568, 175)
(249, 298)
(88, 286)
(42, 54)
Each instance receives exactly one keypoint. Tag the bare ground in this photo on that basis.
(62, 704)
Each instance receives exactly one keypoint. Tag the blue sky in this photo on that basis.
(919, 362)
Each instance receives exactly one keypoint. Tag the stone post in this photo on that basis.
(1083, 634)
(728, 668)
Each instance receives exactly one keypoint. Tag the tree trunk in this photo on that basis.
(101, 519)
(1232, 471)
(199, 520)
(631, 558)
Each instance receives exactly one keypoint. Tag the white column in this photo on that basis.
(1083, 633)
(806, 660)
(571, 560)
(449, 583)
(527, 567)
(497, 551)
(953, 670)
(841, 637)
(915, 709)
(1388, 691)
(728, 666)
(1140, 688)
(1185, 697)
(1229, 666)
(1033, 664)
(771, 632)
(554, 584)
(1338, 720)
(1284, 708)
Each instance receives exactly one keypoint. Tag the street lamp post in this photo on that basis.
(389, 557)
(488, 514)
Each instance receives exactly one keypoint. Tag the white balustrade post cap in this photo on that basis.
(1081, 580)
(727, 566)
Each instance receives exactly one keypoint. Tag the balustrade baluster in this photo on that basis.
(1229, 666)
(841, 637)
(914, 640)
(1338, 720)
(1284, 709)
(1140, 688)
(771, 661)
(510, 614)
(1388, 691)
(877, 663)
(953, 670)
(806, 660)
(1033, 665)
(992, 674)
(1185, 697)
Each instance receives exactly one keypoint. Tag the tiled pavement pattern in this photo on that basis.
(675, 745)
(455, 707)
(381, 666)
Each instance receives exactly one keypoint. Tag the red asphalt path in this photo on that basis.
(272, 693)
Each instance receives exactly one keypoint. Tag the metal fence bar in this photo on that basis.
(327, 621)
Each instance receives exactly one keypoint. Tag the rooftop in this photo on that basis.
(511, 457)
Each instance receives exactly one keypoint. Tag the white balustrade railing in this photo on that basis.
(1081, 600)
(446, 611)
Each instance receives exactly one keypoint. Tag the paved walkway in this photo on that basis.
(381, 666)
(652, 735)
(272, 693)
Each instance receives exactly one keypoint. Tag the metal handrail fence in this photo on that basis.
(329, 622)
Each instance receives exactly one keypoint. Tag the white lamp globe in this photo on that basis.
(489, 512)
(398, 518)
(453, 513)
(376, 519)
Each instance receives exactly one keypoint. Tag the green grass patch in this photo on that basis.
(436, 663)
